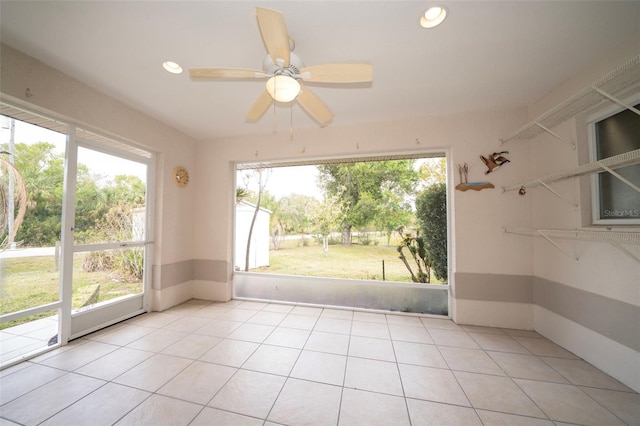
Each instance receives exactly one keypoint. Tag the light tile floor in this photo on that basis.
(25, 338)
(249, 363)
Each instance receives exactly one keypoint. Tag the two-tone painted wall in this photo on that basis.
(590, 307)
(59, 96)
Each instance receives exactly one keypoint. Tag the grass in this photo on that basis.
(33, 281)
(357, 261)
(28, 282)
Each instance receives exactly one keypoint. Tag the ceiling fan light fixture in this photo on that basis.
(283, 88)
(433, 16)
(172, 67)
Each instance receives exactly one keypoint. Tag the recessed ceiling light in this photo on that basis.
(172, 67)
(433, 16)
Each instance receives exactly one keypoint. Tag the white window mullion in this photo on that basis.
(68, 223)
(149, 234)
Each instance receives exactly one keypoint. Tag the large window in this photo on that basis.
(614, 201)
(351, 219)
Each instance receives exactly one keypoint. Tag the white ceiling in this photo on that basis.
(486, 55)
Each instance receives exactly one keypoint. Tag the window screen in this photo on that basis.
(615, 135)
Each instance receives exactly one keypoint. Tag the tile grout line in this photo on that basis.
(192, 313)
(344, 375)
(475, 410)
(205, 405)
(395, 356)
(290, 371)
(578, 387)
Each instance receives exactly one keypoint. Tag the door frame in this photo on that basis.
(74, 324)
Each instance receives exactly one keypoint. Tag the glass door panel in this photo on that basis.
(31, 188)
(110, 199)
(106, 275)
(109, 237)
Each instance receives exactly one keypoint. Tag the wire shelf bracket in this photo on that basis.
(615, 238)
(616, 100)
(625, 251)
(556, 245)
(623, 179)
(554, 192)
(555, 135)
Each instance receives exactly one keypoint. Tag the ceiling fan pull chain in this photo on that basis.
(274, 117)
(291, 122)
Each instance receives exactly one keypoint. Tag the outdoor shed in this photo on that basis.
(259, 249)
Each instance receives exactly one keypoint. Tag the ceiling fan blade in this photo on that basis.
(338, 73)
(274, 34)
(225, 73)
(260, 106)
(314, 106)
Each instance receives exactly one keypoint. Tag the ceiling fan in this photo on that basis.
(285, 72)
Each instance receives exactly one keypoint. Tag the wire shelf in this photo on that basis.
(624, 76)
(615, 162)
(624, 237)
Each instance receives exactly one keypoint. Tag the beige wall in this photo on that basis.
(478, 244)
(198, 264)
(590, 306)
(55, 93)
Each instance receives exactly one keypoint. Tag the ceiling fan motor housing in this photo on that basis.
(295, 64)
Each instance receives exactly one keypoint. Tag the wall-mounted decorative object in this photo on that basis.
(476, 186)
(180, 176)
(463, 171)
(494, 161)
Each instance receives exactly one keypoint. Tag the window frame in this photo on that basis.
(595, 118)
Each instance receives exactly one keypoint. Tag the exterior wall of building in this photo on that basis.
(259, 249)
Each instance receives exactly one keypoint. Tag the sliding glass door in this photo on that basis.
(110, 245)
(31, 187)
(75, 239)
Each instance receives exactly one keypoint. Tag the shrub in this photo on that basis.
(127, 264)
(98, 261)
(431, 211)
(421, 261)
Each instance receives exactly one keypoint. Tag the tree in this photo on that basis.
(393, 212)
(262, 177)
(294, 213)
(241, 194)
(43, 173)
(431, 212)
(360, 187)
(433, 170)
(13, 193)
(326, 218)
(420, 257)
(276, 228)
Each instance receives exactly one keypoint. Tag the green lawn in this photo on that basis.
(32, 281)
(357, 261)
(28, 282)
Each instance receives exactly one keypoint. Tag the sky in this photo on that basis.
(285, 181)
(98, 163)
(282, 182)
